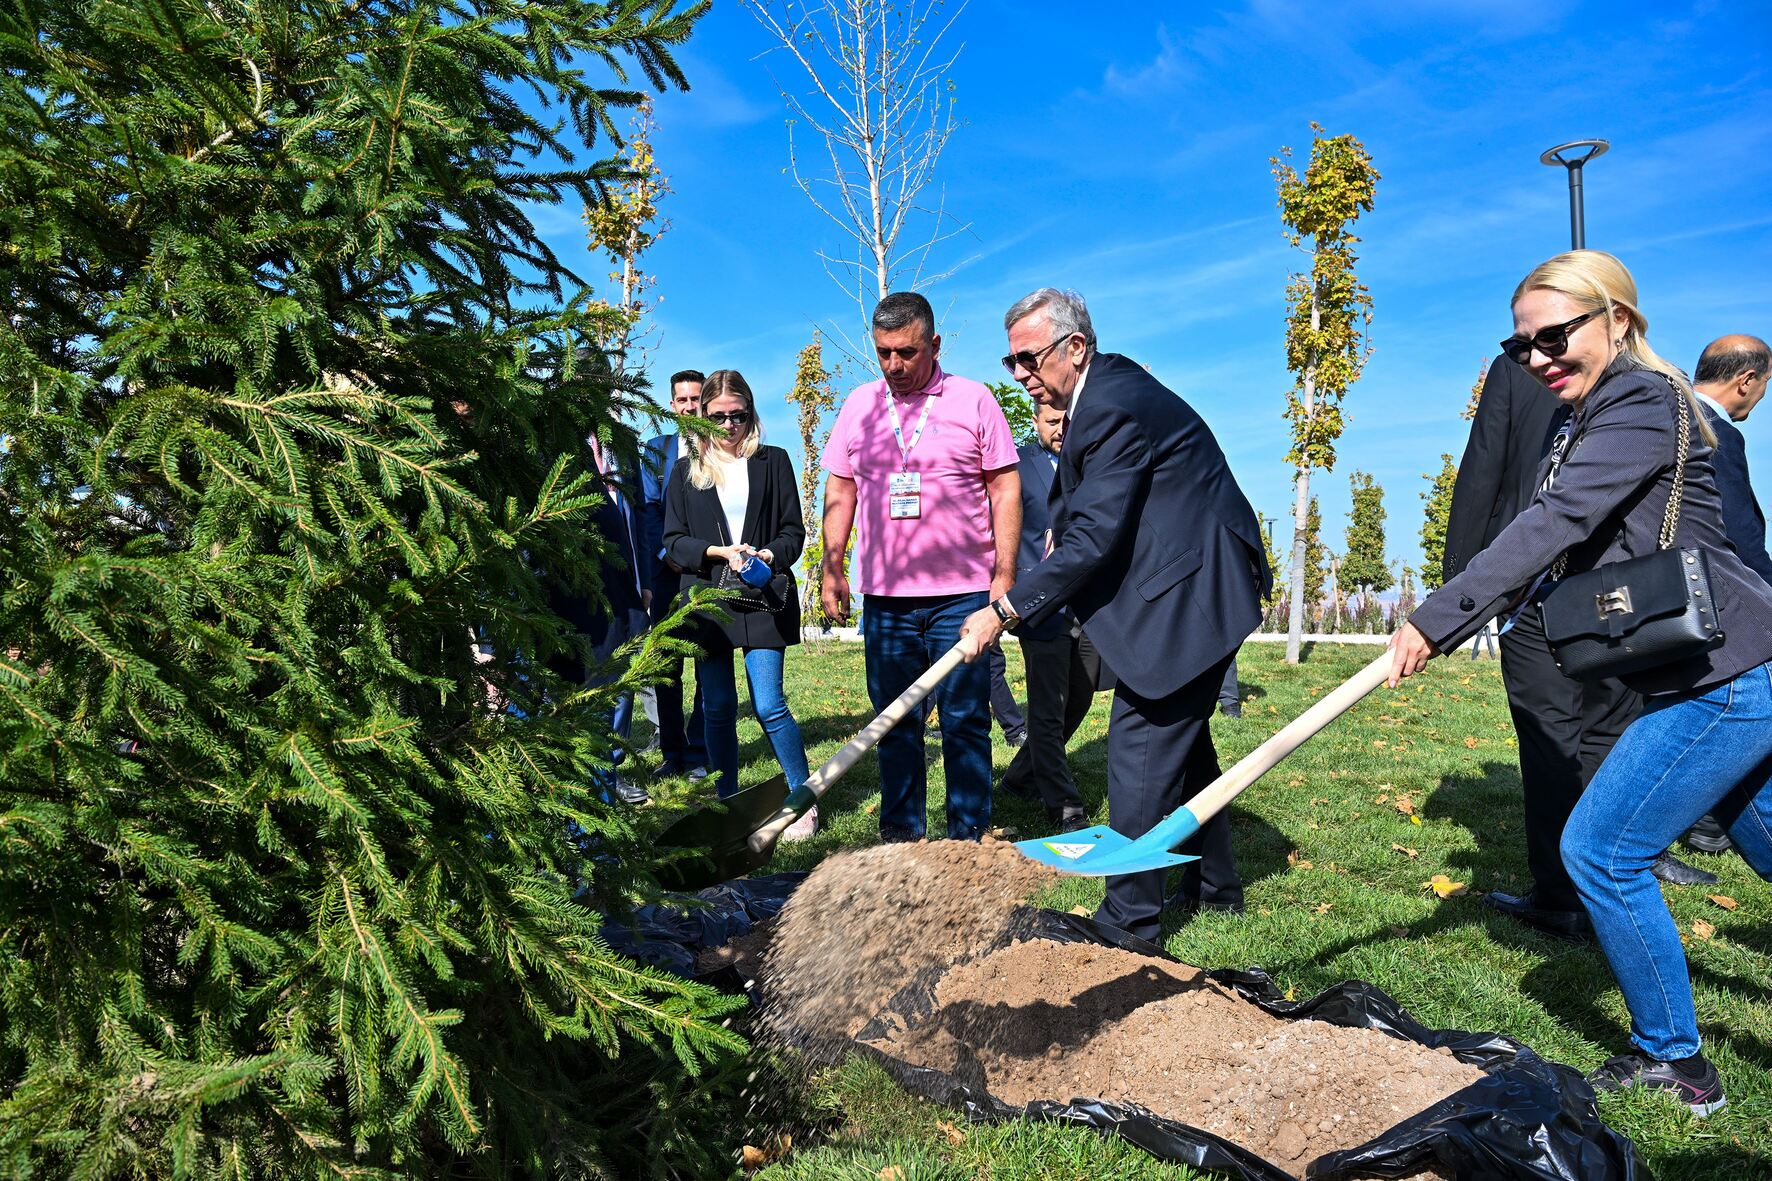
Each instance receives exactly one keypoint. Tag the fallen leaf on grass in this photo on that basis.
(1702, 929)
(1406, 851)
(1323, 908)
(1417, 820)
(1723, 900)
(1444, 887)
(1082, 910)
(754, 1158)
(871, 809)
(1295, 861)
(954, 1135)
(1405, 805)
(1470, 740)
(1383, 799)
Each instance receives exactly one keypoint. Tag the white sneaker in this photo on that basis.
(804, 827)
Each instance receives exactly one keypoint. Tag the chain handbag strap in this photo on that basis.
(1670, 517)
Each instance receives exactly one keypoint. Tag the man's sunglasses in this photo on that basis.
(730, 418)
(1031, 361)
(1552, 341)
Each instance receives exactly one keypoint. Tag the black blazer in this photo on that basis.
(1155, 547)
(1742, 519)
(1606, 506)
(1034, 463)
(693, 522)
(1511, 435)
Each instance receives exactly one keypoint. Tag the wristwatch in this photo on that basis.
(1006, 613)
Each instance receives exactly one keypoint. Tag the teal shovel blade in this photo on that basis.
(1101, 852)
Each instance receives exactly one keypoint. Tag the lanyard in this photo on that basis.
(904, 449)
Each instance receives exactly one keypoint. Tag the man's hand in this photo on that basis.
(835, 594)
(979, 632)
(1410, 652)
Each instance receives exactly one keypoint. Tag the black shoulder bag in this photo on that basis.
(1624, 617)
(772, 596)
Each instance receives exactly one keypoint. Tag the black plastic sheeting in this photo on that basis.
(670, 936)
(1526, 1120)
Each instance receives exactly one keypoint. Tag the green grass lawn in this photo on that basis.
(1335, 873)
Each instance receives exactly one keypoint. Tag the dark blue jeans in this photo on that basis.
(1687, 754)
(903, 637)
(719, 686)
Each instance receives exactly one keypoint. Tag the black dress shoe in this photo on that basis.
(1675, 872)
(629, 792)
(1707, 836)
(1068, 819)
(1573, 925)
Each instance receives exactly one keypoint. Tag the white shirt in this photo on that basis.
(734, 490)
(1713, 404)
(1077, 394)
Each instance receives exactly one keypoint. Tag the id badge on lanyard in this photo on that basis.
(904, 498)
(904, 489)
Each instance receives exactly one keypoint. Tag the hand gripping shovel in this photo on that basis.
(1102, 852)
(740, 833)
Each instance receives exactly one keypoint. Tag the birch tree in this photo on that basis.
(1328, 312)
(877, 98)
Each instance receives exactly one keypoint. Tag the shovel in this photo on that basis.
(1102, 852)
(740, 833)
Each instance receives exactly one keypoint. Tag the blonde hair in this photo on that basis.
(1600, 283)
(704, 471)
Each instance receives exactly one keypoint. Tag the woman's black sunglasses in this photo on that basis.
(730, 418)
(1551, 341)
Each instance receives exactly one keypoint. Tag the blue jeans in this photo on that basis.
(903, 637)
(1685, 756)
(719, 689)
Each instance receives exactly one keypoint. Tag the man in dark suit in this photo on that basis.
(1565, 727)
(1156, 550)
(1063, 670)
(685, 751)
(1730, 381)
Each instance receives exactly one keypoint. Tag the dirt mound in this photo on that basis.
(743, 953)
(865, 923)
(1045, 1020)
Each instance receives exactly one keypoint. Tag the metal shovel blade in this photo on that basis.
(723, 829)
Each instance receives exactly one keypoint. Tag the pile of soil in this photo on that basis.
(865, 923)
(743, 954)
(1046, 1020)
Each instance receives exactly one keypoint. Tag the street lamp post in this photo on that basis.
(1572, 156)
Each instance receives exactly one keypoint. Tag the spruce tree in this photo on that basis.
(1364, 568)
(1437, 515)
(304, 852)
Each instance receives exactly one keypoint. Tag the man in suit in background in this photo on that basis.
(1565, 727)
(1063, 670)
(1156, 550)
(684, 751)
(1730, 381)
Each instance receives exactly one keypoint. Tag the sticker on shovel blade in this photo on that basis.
(1070, 852)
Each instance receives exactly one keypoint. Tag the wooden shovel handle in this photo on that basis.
(1258, 762)
(839, 764)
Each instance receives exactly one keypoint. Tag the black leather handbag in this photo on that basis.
(772, 596)
(1623, 617)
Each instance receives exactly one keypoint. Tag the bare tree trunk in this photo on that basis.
(1301, 508)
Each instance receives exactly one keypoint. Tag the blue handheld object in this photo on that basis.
(756, 572)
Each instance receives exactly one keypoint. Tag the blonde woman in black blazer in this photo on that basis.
(729, 501)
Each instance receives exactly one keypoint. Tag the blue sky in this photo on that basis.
(1123, 151)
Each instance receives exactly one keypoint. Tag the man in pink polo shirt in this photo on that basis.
(926, 462)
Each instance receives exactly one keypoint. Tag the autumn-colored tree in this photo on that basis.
(812, 396)
(1329, 309)
(1018, 408)
(1470, 407)
(1273, 606)
(624, 226)
(1434, 522)
(1364, 568)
